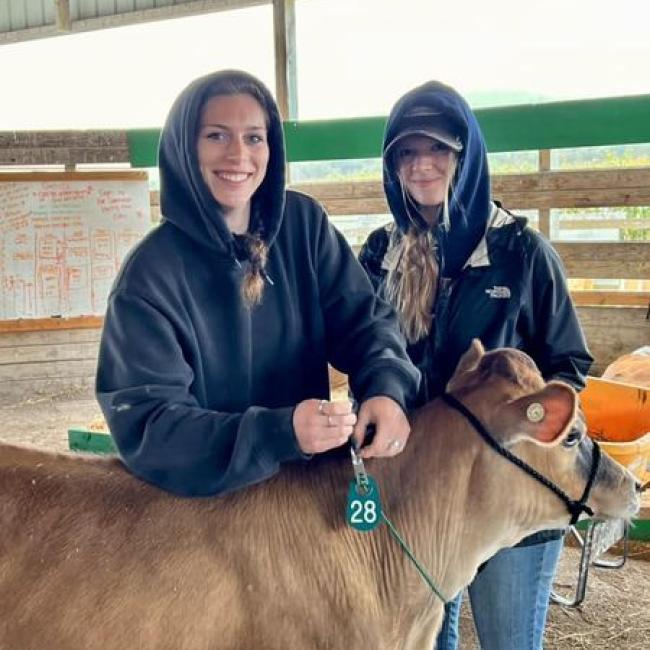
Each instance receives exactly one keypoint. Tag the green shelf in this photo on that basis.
(94, 442)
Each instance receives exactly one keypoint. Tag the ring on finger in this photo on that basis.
(321, 405)
(394, 445)
(329, 421)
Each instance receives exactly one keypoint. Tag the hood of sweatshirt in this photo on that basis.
(469, 201)
(185, 199)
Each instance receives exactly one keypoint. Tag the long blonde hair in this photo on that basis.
(412, 282)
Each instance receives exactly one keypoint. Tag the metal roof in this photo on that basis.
(22, 20)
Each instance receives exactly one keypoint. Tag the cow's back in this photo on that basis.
(83, 539)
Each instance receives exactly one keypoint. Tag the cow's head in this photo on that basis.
(540, 423)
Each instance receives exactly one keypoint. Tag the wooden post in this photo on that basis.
(284, 29)
(62, 9)
(545, 213)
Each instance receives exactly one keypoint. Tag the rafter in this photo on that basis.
(62, 12)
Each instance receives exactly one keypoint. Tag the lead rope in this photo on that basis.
(575, 508)
(421, 570)
(362, 485)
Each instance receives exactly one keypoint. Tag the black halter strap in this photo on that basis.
(575, 508)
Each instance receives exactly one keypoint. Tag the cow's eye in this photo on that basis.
(574, 437)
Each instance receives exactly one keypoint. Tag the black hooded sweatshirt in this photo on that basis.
(197, 388)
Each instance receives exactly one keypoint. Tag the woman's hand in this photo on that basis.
(320, 425)
(392, 428)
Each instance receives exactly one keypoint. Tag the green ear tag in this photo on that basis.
(363, 511)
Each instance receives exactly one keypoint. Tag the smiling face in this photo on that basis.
(424, 166)
(233, 154)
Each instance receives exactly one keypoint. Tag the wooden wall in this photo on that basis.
(43, 363)
(615, 322)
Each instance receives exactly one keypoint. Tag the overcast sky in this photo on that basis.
(355, 57)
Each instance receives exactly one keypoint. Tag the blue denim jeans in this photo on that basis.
(509, 599)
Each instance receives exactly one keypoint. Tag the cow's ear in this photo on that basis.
(544, 417)
(468, 362)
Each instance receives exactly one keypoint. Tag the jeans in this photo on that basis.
(509, 599)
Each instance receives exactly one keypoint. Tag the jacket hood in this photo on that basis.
(185, 199)
(469, 202)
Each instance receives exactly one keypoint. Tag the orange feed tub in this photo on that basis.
(618, 416)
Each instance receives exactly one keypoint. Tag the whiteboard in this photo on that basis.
(63, 238)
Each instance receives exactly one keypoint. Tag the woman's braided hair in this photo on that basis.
(253, 282)
(411, 285)
(412, 282)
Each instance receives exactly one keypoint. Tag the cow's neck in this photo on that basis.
(436, 494)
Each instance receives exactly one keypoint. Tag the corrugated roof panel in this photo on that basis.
(85, 9)
(17, 15)
(35, 13)
(27, 19)
(122, 6)
(49, 12)
(4, 17)
(105, 7)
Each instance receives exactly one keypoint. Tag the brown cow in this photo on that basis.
(90, 557)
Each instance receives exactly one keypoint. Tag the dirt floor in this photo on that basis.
(614, 615)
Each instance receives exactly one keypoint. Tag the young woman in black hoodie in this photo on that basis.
(457, 266)
(220, 325)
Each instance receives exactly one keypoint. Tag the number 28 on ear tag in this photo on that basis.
(363, 511)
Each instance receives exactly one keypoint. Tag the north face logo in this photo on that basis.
(498, 292)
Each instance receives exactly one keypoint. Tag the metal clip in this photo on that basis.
(360, 475)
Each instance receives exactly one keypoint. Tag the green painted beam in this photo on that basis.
(143, 147)
(556, 125)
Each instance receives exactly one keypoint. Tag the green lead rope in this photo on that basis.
(364, 496)
(421, 570)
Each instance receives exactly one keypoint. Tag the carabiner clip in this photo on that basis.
(360, 476)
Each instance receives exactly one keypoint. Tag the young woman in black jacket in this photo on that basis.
(457, 266)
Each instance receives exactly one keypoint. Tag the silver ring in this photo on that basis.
(321, 405)
(329, 421)
(394, 445)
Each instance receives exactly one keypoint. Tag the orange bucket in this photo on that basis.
(618, 416)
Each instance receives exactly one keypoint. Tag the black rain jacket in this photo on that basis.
(500, 281)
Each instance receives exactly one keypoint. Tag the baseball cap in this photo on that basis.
(426, 121)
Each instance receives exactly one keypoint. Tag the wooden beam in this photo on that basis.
(617, 260)
(570, 223)
(63, 147)
(544, 222)
(613, 331)
(284, 37)
(40, 324)
(611, 298)
(62, 10)
(542, 190)
(28, 177)
(21, 354)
